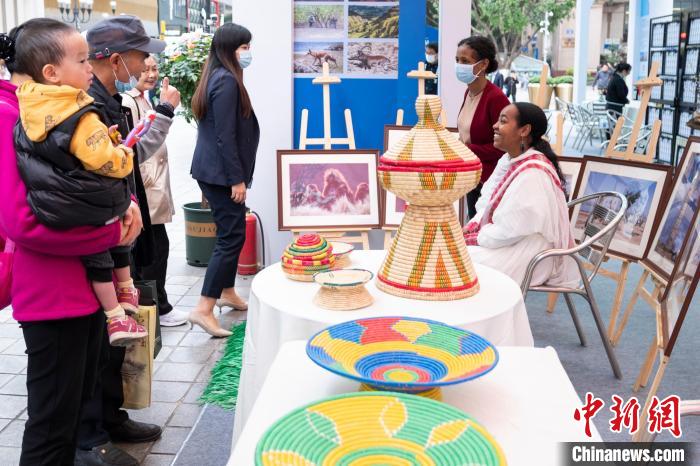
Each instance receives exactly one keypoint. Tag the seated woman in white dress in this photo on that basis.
(522, 210)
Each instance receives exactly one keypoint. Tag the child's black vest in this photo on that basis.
(60, 191)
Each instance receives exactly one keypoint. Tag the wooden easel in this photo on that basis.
(645, 85)
(348, 235)
(421, 75)
(327, 141)
(629, 154)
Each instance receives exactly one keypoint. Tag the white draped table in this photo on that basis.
(282, 310)
(526, 402)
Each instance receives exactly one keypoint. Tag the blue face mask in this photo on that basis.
(244, 58)
(122, 86)
(465, 72)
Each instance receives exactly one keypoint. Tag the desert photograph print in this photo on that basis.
(309, 57)
(328, 189)
(373, 58)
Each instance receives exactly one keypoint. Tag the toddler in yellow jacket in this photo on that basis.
(52, 105)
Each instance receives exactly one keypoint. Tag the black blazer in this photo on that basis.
(226, 141)
(617, 92)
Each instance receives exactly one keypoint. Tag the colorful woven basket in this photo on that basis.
(343, 290)
(430, 169)
(402, 354)
(307, 255)
(377, 429)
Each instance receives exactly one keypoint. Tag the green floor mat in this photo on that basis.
(222, 389)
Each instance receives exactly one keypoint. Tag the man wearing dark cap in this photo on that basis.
(118, 48)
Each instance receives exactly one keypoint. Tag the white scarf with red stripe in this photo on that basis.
(529, 160)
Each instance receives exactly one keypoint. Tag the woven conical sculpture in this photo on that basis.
(430, 169)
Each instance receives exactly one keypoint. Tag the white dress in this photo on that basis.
(531, 217)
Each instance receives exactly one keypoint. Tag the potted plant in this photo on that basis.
(183, 63)
(534, 87)
(564, 88)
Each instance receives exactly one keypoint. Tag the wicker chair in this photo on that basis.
(598, 233)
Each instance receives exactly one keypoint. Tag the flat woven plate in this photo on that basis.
(340, 248)
(376, 428)
(343, 277)
(402, 354)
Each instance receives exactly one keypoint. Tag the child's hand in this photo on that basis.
(114, 135)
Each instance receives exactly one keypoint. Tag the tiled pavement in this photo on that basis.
(181, 369)
(181, 372)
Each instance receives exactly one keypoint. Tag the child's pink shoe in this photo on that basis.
(128, 298)
(124, 331)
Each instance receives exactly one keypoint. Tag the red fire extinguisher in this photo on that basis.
(248, 260)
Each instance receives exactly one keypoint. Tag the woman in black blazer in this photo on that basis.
(223, 164)
(616, 95)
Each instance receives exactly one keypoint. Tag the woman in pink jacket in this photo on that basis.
(52, 298)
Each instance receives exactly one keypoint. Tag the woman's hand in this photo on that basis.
(169, 93)
(131, 225)
(238, 193)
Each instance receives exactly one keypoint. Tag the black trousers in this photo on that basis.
(62, 372)
(472, 198)
(230, 236)
(159, 267)
(102, 411)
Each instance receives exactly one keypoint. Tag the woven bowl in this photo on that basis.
(343, 290)
(373, 428)
(402, 354)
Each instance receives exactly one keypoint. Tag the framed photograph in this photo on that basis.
(321, 23)
(644, 185)
(681, 287)
(310, 56)
(570, 168)
(393, 207)
(357, 39)
(678, 212)
(327, 189)
(373, 58)
(373, 22)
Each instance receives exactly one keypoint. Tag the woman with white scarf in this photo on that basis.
(522, 210)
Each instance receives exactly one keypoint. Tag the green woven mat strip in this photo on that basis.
(222, 389)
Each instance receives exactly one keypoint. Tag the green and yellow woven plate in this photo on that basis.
(371, 428)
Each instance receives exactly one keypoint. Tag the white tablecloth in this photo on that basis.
(526, 402)
(281, 310)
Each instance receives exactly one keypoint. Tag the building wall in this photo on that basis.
(15, 12)
(146, 10)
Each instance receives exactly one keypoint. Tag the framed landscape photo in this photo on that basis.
(570, 168)
(678, 213)
(644, 185)
(327, 189)
(681, 286)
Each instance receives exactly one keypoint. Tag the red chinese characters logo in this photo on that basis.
(589, 410)
(625, 416)
(665, 415)
(661, 415)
